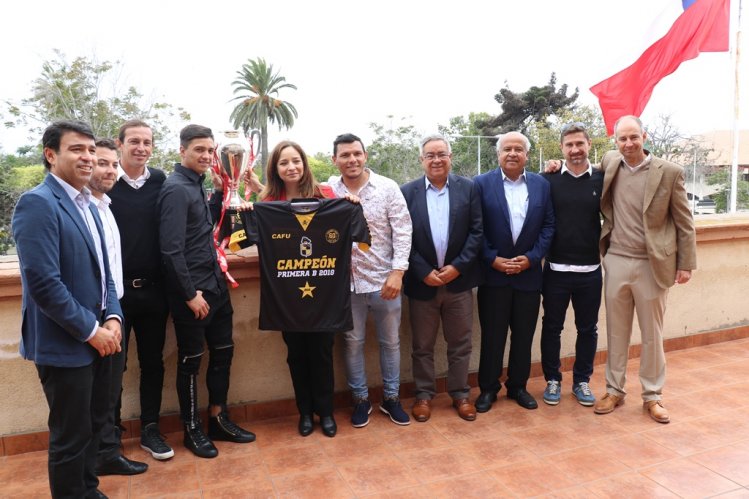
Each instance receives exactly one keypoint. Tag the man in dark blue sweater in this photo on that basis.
(144, 303)
(573, 270)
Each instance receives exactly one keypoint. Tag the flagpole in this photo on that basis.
(735, 156)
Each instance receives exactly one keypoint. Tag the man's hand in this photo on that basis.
(392, 287)
(199, 306)
(553, 165)
(105, 341)
(351, 198)
(511, 266)
(252, 181)
(246, 206)
(114, 326)
(433, 279)
(448, 273)
(218, 182)
(683, 276)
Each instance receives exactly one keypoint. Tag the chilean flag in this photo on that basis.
(699, 26)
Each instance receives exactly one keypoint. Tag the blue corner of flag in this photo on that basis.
(687, 3)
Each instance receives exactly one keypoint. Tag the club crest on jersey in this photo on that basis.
(305, 247)
(332, 236)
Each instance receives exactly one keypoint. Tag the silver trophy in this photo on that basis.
(233, 158)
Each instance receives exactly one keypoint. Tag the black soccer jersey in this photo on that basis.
(305, 262)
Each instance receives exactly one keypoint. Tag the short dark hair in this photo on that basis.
(132, 124)
(576, 127)
(347, 138)
(107, 144)
(53, 135)
(192, 132)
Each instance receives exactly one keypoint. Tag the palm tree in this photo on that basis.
(259, 105)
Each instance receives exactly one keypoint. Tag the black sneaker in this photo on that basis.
(198, 442)
(222, 428)
(392, 407)
(152, 441)
(360, 416)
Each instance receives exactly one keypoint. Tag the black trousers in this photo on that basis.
(584, 290)
(192, 336)
(109, 441)
(310, 359)
(78, 403)
(146, 311)
(500, 309)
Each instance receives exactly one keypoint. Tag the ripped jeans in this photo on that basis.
(192, 336)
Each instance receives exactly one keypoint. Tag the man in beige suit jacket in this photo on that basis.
(648, 243)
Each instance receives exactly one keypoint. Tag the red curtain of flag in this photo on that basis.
(702, 27)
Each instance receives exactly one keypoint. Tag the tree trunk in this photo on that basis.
(264, 150)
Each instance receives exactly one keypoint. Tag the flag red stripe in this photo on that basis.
(703, 27)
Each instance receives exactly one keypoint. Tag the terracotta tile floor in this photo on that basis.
(562, 451)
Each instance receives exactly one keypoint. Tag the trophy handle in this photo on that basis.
(253, 136)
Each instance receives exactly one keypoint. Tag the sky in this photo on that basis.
(358, 62)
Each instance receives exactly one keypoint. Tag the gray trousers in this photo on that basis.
(455, 311)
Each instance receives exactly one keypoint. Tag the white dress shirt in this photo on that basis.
(516, 194)
(112, 239)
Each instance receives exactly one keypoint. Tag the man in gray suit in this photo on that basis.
(442, 272)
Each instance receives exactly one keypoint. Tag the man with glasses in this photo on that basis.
(443, 270)
(572, 270)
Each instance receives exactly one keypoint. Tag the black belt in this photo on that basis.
(140, 283)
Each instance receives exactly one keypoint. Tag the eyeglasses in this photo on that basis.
(440, 155)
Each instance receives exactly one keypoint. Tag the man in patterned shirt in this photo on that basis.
(376, 277)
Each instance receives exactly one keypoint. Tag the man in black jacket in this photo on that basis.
(198, 295)
(442, 272)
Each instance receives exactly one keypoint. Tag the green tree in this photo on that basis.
(322, 167)
(522, 110)
(722, 179)
(259, 86)
(87, 90)
(472, 154)
(546, 137)
(17, 175)
(394, 152)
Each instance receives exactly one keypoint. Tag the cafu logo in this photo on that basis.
(305, 247)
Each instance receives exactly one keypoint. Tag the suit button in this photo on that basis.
(98, 305)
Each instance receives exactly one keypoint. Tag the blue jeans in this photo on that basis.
(387, 318)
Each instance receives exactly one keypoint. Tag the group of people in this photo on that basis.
(107, 245)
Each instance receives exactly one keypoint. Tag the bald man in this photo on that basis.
(648, 245)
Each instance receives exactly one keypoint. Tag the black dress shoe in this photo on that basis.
(121, 466)
(97, 494)
(484, 401)
(329, 428)
(523, 398)
(198, 442)
(305, 425)
(222, 428)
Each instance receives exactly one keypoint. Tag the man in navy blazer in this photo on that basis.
(518, 230)
(443, 269)
(71, 315)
